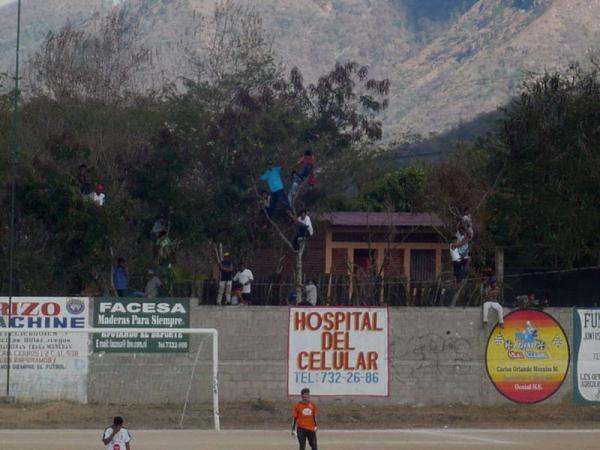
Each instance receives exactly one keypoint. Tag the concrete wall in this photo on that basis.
(437, 357)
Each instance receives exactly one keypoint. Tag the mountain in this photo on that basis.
(38, 17)
(483, 58)
(448, 60)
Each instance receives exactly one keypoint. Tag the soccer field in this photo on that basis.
(417, 439)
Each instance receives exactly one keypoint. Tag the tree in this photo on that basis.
(397, 191)
(195, 151)
(232, 50)
(547, 203)
(102, 64)
(279, 121)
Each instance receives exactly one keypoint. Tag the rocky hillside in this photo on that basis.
(483, 58)
(448, 60)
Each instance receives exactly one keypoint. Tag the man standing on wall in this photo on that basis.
(304, 424)
(225, 279)
(245, 278)
(116, 437)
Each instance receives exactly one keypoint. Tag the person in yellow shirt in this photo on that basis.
(304, 424)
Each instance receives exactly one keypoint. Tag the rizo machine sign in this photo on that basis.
(36, 313)
(141, 313)
(45, 363)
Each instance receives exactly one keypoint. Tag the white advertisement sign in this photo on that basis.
(45, 365)
(586, 334)
(338, 351)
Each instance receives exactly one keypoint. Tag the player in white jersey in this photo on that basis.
(116, 437)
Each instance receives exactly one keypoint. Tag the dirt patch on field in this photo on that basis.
(270, 415)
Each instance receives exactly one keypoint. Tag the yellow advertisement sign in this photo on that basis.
(528, 359)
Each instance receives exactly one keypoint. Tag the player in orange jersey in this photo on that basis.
(304, 423)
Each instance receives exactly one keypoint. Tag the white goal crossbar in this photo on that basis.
(210, 331)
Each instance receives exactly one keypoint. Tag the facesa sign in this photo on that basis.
(137, 307)
(141, 313)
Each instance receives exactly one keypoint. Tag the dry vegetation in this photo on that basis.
(446, 69)
(261, 414)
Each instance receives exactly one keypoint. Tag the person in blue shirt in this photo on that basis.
(278, 198)
(121, 280)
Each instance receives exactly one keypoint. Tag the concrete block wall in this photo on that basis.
(437, 357)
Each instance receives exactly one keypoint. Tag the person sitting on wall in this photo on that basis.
(310, 294)
(492, 301)
(153, 285)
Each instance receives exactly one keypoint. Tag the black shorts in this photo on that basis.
(304, 435)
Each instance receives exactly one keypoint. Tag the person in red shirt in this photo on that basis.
(307, 168)
(304, 424)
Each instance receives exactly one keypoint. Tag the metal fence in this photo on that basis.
(579, 287)
(564, 288)
(335, 290)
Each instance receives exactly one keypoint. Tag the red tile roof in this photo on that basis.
(380, 219)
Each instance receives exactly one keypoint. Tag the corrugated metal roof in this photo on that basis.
(380, 219)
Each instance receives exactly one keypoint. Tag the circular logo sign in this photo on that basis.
(527, 360)
(75, 306)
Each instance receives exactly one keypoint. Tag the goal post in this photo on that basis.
(39, 361)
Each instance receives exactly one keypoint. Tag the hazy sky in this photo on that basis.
(4, 2)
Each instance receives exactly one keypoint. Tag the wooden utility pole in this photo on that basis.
(499, 259)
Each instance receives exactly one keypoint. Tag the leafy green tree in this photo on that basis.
(194, 151)
(546, 206)
(399, 191)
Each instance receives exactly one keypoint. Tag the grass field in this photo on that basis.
(416, 439)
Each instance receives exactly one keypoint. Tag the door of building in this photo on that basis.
(364, 259)
(422, 265)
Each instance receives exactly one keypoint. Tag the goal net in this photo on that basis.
(163, 376)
